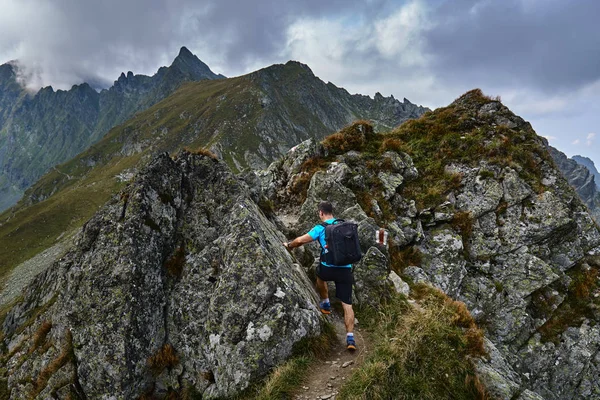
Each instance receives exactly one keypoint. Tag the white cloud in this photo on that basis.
(399, 36)
(366, 56)
(576, 141)
(590, 139)
(550, 138)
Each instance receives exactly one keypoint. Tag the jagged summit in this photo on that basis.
(290, 67)
(192, 66)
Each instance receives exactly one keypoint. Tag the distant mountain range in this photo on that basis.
(38, 131)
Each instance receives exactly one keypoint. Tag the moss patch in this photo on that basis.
(580, 302)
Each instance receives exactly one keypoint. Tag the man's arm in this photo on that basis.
(299, 241)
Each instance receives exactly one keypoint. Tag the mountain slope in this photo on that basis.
(38, 131)
(178, 286)
(248, 121)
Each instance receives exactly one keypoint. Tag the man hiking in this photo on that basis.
(340, 274)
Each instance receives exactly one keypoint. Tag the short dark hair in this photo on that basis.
(326, 207)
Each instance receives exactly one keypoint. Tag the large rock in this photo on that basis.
(324, 187)
(371, 281)
(183, 260)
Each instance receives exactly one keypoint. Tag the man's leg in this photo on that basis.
(348, 317)
(324, 304)
(322, 288)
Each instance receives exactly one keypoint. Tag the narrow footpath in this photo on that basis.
(326, 376)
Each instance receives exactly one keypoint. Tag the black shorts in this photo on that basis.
(343, 281)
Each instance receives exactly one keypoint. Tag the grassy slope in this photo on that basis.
(419, 352)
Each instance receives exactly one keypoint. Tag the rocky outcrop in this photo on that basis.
(520, 249)
(341, 181)
(581, 178)
(180, 284)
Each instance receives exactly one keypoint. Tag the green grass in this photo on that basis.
(419, 353)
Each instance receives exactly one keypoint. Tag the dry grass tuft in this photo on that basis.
(301, 182)
(203, 151)
(406, 257)
(40, 335)
(352, 137)
(166, 357)
(463, 223)
(65, 356)
(392, 144)
(581, 301)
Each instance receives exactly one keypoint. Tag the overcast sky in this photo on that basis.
(541, 56)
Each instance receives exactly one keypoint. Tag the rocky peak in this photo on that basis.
(6, 73)
(191, 66)
(485, 216)
(90, 116)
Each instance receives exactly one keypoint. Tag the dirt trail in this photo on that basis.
(326, 376)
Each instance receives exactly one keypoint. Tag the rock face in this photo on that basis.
(581, 177)
(179, 285)
(340, 181)
(50, 127)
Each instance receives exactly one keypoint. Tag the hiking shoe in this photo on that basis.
(350, 344)
(325, 307)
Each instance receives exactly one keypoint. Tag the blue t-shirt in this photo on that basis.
(318, 232)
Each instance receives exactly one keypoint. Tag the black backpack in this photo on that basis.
(341, 243)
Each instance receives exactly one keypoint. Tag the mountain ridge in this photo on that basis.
(247, 121)
(581, 178)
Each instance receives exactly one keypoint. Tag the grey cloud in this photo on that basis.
(68, 41)
(547, 45)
